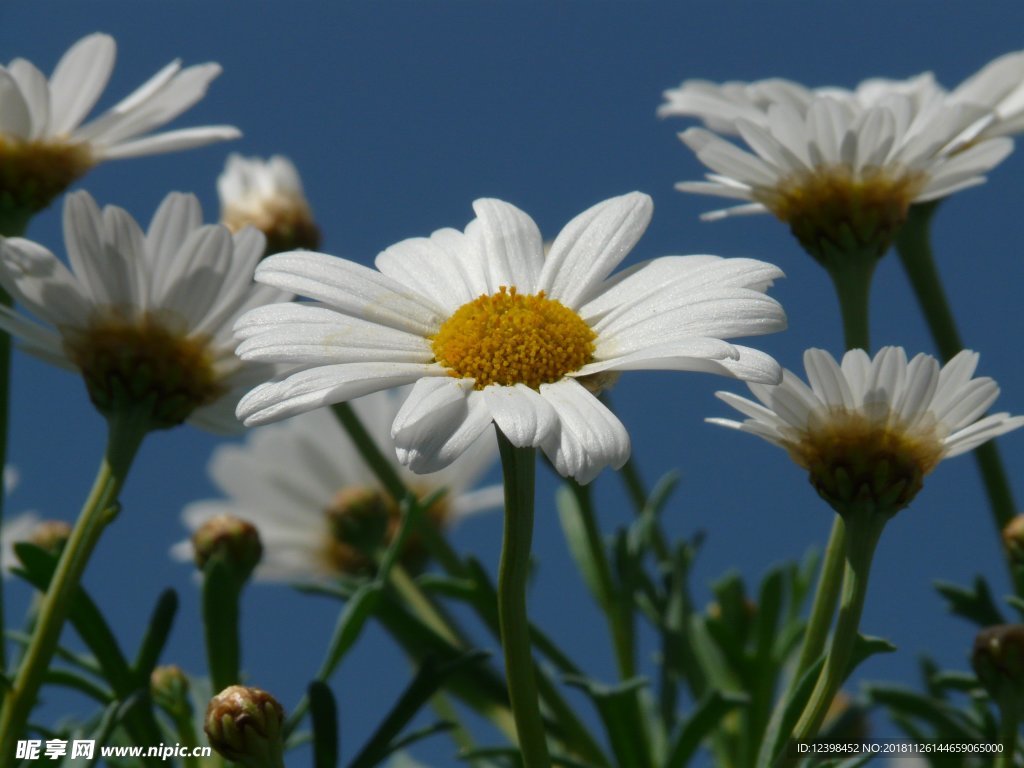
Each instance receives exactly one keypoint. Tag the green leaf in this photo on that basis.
(37, 569)
(949, 723)
(976, 605)
(77, 682)
(425, 684)
(80, 660)
(324, 713)
(864, 648)
(705, 718)
(1016, 603)
(710, 657)
(621, 712)
(485, 757)
(582, 547)
(156, 634)
(785, 716)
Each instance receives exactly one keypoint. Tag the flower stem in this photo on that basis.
(826, 596)
(914, 247)
(852, 279)
(125, 433)
(518, 468)
(863, 530)
(1008, 725)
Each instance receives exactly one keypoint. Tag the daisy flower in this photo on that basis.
(145, 317)
(303, 485)
(840, 169)
(44, 145)
(871, 429)
(998, 86)
(267, 194)
(491, 330)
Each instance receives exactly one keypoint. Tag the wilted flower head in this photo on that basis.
(492, 331)
(869, 431)
(316, 504)
(267, 195)
(44, 145)
(145, 317)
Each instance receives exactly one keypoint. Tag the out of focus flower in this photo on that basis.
(305, 487)
(145, 317)
(998, 86)
(44, 142)
(869, 430)
(267, 195)
(491, 331)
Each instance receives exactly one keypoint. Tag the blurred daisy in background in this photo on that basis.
(304, 486)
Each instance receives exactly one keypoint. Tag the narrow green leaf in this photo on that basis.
(710, 657)
(580, 546)
(864, 648)
(484, 757)
(950, 724)
(157, 632)
(80, 660)
(976, 605)
(419, 735)
(324, 713)
(425, 684)
(76, 682)
(705, 718)
(785, 716)
(621, 711)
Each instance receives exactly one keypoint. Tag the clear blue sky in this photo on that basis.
(398, 115)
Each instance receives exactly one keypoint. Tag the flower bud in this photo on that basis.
(998, 660)
(1013, 539)
(233, 540)
(245, 726)
(169, 687)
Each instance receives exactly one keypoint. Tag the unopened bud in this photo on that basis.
(169, 687)
(245, 726)
(233, 540)
(998, 660)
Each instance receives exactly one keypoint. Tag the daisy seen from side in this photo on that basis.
(488, 329)
(868, 430)
(146, 317)
(45, 141)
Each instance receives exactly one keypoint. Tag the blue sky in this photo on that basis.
(398, 115)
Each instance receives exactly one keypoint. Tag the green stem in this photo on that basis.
(825, 598)
(1008, 725)
(914, 247)
(126, 431)
(852, 279)
(863, 529)
(518, 468)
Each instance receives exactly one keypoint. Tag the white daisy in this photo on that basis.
(142, 315)
(267, 195)
(300, 482)
(490, 329)
(42, 136)
(873, 428)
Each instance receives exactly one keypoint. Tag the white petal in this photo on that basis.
(79, 79)
(325, 385)
(589, 437)
(431, 400)
(591, 245)
(980, 432)
(435, 267)
(37, 279)
(169, 141)
(15, 118)
(826, 379)
(526, 418)
(509, 244)
(36, 92)
(352, 289)
(439, 425)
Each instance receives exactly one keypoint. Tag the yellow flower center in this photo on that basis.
(32, 173)
(363, 521)
(832, 204)
(131, 363)
(853, 460)
(507, 338)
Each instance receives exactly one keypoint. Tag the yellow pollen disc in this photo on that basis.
(851, 459)
(507, 338)
(130, 362)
